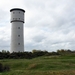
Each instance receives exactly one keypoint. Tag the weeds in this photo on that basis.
(4, 68)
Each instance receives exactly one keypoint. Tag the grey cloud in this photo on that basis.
(51, 22)
(4, 45)
(38, 38)
(3, 15)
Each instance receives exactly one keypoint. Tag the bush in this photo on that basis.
(1, 67)
(4, 68)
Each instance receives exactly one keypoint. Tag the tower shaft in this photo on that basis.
(17, 30)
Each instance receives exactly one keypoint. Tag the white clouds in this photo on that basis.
(49, 24)
(56, 20)
(4, 38)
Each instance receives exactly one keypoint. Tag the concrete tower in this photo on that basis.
(17, 30)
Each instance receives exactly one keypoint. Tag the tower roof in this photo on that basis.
(17, 9)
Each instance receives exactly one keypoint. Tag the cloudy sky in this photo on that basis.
(49, 24)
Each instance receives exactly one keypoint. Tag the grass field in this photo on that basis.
(46, 65)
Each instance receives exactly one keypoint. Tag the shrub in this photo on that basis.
(1, 67)
(4, 68)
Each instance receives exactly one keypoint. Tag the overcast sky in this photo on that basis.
(49, 24)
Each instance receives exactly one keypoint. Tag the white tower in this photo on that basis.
(17, 30)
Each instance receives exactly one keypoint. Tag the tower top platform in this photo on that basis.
(17, 9)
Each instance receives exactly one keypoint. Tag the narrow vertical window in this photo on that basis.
(18, 43)
(18, 27)
(13, 12)
(18, 35)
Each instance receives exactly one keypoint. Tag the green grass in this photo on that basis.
(46, 65)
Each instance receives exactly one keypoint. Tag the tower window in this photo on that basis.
(13, 12)
(18, 35)
(18, 27)
(18, 43)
